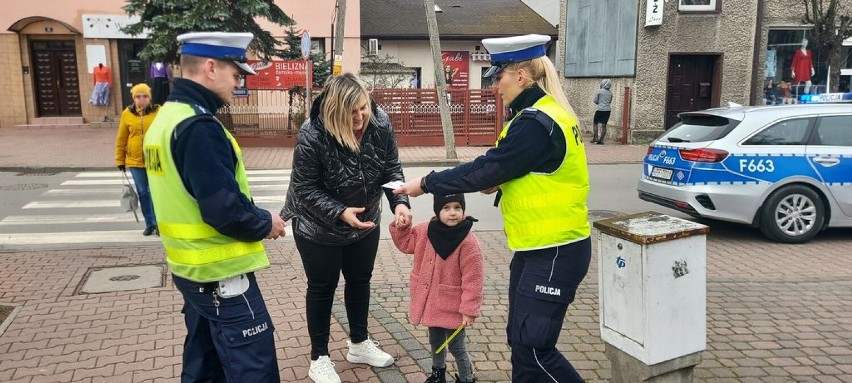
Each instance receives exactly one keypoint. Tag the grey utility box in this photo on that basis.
(652, 281)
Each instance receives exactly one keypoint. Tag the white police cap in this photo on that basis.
(230, 46)
(507, 50)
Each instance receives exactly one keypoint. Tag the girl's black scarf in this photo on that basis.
(445, 239)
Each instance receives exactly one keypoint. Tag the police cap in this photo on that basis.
(507, 50)
(229, 46)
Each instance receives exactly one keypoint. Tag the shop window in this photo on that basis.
(781, 57)
(699, 5)
(318, 47)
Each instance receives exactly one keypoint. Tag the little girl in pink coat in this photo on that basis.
(446, 281)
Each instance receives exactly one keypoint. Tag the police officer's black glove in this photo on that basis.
(121, 167)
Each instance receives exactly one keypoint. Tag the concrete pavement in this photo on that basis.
(776, 313)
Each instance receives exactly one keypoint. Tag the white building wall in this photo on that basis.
(417, 54)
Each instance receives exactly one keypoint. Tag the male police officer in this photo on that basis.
(540, 167)
(210, 228)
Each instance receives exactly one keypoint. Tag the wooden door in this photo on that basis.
(57, 86)
(691, 85)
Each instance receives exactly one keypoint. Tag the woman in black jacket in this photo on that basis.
(344, 154)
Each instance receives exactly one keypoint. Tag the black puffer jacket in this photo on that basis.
(328, 177)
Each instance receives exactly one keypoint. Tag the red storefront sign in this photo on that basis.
(279, 74)
(456, 68)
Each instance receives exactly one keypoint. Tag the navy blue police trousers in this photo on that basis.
(542, 283)
(228, 340)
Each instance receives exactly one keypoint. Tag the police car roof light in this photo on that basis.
(825, 98)
(703, 155)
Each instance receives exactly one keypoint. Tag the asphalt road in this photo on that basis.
(81, 209)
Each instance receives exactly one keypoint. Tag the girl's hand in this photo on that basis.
(350, 217)
(467, 321)
(402, 217)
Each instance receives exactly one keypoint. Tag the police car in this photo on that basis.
(784, 169)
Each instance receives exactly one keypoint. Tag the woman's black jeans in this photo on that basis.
(323, 265)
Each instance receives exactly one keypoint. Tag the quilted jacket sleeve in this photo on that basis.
(306, 195)
(470, 263)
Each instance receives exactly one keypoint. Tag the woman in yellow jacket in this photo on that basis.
(135, 120)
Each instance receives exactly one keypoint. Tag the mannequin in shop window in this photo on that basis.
(102, 79)
(803, 67)
(160, 77)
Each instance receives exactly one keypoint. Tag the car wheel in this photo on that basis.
(792, 214)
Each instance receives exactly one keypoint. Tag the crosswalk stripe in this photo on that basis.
(121, 181)
(268, 198)
(67, 219)
(117, 174)
(75, 204)
(62, 204)
(117, 191)
(96, 194)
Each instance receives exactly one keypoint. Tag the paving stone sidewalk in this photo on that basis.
(94, 148)
(776, 313)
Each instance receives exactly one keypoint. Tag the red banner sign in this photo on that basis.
(279, 74)
(456, 68)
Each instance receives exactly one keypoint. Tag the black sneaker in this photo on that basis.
(150, 230)
(438, 376)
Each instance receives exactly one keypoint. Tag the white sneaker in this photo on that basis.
(368, 352)
(322, 371)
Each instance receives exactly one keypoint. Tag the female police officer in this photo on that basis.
(539, 167)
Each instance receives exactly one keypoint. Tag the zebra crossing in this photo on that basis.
(86, 211)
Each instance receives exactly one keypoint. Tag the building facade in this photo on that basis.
(395, 45)
(677, 56)
(48, 54)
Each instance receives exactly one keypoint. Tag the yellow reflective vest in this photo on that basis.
(194, 249)
(542, 210)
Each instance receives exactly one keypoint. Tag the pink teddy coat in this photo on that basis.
(441, 290)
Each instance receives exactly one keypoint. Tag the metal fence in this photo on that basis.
(265, 117)
(476, 115)
(272, 118)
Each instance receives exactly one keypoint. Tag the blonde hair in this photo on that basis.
(543, 73)
(342, 95)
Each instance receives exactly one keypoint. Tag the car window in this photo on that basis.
(835, 131)
(699, 128)
(787, 132)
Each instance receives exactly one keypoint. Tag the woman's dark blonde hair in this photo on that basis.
(543, 73)
(342, 95)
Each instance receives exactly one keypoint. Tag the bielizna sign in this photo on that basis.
(278, 74)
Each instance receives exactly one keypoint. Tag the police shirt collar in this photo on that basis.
(526, 99)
